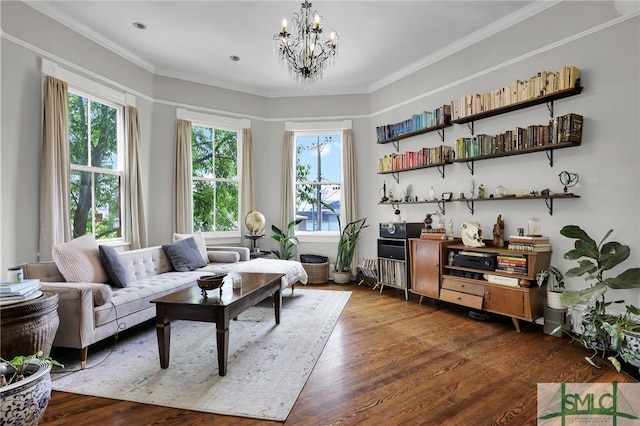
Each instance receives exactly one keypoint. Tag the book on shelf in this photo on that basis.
(529, 239)
(15, 287)
(538, 248)
(477, 253)
(499, 279)
(433, 236)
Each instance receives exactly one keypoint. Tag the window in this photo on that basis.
(318, 180)
(216, 182)
(96, 129)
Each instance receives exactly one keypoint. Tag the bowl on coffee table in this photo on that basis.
(210, 282)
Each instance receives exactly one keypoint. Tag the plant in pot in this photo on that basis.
(555, 285)
(25, 388)
(605, 331)
(287, 242)
(349, 236)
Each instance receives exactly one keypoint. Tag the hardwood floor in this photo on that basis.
(391, 361)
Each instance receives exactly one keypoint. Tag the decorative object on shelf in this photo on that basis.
(461, 196)
(481, 191)
(521, 232)
(446, 196)
(498, 232)
(408, 197)
(210, 282)
(287, 243)
(534, 227)
(432, 194)
(472, 234)
(472, 191)
(450, 229)
(304, 49)
(255, 222)
(428, 221)
(500, 191)
(604, 333)
(25, 390)
(384, 198)
(568, 180)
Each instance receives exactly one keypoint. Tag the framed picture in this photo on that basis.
(446, 196)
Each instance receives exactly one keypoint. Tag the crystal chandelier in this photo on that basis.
(304, 49)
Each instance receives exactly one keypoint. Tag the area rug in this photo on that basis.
(267, 369)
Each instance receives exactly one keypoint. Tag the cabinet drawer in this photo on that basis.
(463, 286)
(459, 298)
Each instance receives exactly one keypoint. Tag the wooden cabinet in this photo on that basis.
(468, 286)
(426, 266)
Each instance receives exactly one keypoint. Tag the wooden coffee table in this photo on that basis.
(189, 304)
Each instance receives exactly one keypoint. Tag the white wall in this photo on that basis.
(607, 161)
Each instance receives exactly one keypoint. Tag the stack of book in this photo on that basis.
(510, 263)
(19, 291)
(529, 243)
(433, 234)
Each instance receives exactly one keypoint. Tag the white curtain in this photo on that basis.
(137, 221)
(55, 175)
(288, 185)
(350, 201)
(248, 200)
(183, 180)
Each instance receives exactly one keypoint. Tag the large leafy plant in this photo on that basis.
(603, 331)
(349, 236)
(287, 242)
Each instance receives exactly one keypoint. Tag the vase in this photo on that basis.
(553, 300)
(632, 348)
(341, 277)
(24, 402)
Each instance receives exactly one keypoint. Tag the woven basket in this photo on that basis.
(318, 272)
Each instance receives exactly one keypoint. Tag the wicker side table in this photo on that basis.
(30, 326)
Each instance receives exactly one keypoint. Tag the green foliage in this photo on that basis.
(20, 363)
(287, 243)
(604, 333)
(93, 129)
(215, 179)
(349, 236)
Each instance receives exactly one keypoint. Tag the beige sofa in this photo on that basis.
(90, 312)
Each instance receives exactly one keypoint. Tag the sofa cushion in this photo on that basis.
(102, 294)
(184, 255)
(200, 242)
(114, 266)
(222, 256)
(79, 260)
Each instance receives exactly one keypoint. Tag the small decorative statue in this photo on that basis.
(498, 232)
(472, 234)
(450, 230)
(384, 198)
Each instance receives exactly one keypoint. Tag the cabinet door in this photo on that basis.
(504, 301)
(425, 267)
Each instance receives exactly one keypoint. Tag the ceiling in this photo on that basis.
(380, 41)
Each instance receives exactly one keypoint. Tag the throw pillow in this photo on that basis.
(200, 242)
(114, 266)
(79, 260)
(222, 256)
(184, 255)
(101, 294)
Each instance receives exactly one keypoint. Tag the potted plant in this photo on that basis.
(555, 285)
(25, 388)
(287, 243)
(605, 331)
(349, 236)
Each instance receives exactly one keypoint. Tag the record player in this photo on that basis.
(401, 230)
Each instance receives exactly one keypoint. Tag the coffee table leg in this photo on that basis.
(277, 304)
(163, 330)
(222, 341)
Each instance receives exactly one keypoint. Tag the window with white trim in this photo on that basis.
(96, 148)
(216, 163)
(318, 179)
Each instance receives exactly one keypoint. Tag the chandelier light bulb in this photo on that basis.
(316, 21)
(284, 25)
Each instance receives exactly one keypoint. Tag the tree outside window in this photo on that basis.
(96, 167)
(215, 179)
(318, 179)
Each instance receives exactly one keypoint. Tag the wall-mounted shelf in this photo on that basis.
(548, 149)
(440, 203)
(548, 199)
(439, 128)
(521, 105)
